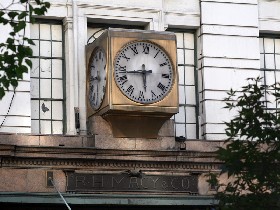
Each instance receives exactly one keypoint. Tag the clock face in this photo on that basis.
(97, 78)
(143, 72)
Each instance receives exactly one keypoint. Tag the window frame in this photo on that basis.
(196, 84)
(63, 78)
(263, 69)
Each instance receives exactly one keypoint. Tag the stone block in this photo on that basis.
(30, 180)
(13, 180)
(109, 142)
(61, 140)
(202, 145)
(36, 181)
(167, 143)
(167, 129)
(60, 180)
(19, 139)
(89, 141)
(97, 125)
(239, 47)
(148, 144)
(221, 13)
(161, 143)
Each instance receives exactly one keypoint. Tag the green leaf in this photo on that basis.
(31, 19)
(38, 11)
(20, 70)
(12, 33)
(4, 21)
(10, 41)
(30, 8)
(29, 63)
(2, 13)
(2, 92)
(30, 41)
(14, 83)
(22, 15)
(28, 51)
(47, 4)
(21, 25)
(13, 24)
(12, 14)
(5, 82)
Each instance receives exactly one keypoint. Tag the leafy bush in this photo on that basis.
(251, 153)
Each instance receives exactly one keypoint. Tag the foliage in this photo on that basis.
(251, 153)
(15, 52)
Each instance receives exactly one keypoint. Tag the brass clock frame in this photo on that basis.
(126, 117)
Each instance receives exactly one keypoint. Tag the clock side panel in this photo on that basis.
(101, 42)
(169, 103)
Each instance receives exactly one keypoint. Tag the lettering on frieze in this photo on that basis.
(84, 182)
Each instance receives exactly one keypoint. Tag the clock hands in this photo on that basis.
(144, 72)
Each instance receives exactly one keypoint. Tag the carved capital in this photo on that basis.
(68, 23)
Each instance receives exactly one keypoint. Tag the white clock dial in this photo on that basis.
(97, 78)
(143, 72)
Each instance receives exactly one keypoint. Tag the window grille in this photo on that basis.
(47, 78)
(186, 121)
(270, 65)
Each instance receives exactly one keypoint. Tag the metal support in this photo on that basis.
(77, 119)
(61, 196)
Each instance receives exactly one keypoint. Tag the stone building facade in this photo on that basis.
(44, 127)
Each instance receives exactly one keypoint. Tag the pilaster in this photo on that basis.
(229, 53)
(70, 76)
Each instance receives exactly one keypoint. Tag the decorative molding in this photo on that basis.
(199, 159)
(108, 164)
(122, 14)
(121, 8)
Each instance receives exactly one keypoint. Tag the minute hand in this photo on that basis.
(139, 71)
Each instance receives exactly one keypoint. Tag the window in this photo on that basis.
(270, 65)
(186, 121)
(47, 78)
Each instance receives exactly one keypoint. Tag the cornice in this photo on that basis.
(103, 159)
(121, 8)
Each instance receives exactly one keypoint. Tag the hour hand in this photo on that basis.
(144, 81)
(129, 72)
